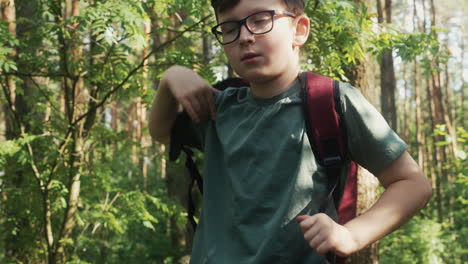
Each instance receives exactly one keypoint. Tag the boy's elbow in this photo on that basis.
(159, 137)
(424, 188)
(158, 134)
(427, 192)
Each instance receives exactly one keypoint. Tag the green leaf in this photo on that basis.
(100, 37)
(9, 148)
(461, 154)
(441, 143)
(149, 225)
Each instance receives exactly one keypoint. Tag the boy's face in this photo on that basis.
(260, 58)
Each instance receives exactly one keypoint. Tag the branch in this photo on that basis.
(73, 101)
(106, 207)
(43, 93)
(11, 104)
(61, 149)
(39, 74)
(37, 175)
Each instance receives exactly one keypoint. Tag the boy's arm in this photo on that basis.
(179, 86)
(406, 192)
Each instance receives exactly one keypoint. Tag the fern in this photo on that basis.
(206, 72)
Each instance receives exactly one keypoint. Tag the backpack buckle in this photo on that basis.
(332, 161)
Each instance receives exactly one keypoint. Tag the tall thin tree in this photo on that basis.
(387, 71)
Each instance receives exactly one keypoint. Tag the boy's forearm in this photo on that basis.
(401, 200)
(163, 113)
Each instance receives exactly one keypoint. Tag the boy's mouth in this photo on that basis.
(249, 55)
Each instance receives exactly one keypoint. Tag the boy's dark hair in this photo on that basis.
(294, 6)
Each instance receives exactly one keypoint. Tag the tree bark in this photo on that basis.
(462, 86)
(9, 16)
(142, 112)
(387, 71)
(407, 113)
(439, 113)
(362, 78)
(419, 120)
(14, 176)
(75, 102)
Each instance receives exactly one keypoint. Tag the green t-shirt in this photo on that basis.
(260, 173)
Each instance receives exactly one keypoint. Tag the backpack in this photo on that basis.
(326, 132)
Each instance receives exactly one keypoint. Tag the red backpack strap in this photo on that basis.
(324, 120)
(327, 135)
(322, 111)
(324, 128)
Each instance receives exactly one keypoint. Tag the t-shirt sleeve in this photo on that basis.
(371, 141)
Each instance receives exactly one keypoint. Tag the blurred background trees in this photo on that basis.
(82, 182)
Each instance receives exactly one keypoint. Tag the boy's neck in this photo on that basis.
(274, 86)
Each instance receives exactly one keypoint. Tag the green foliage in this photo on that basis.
(420, 241)
(7, 149)
(206, 72)
(337, 34)
(424, 240)
(457, 230)
(116, 221)
(407, 46)
(7, 44)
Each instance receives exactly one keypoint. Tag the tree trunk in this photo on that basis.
(407, 113)
(449, 115)
(438, 113)
(362, 78)
(9, 16)
(75, 102)
(144, 139)
(74, 174)
(207, 47)
(462, 86)
(435, 159)
(387, 72)
(367, 183)
(419, 120)
(14, 176)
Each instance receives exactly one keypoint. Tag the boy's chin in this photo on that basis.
(256, 77)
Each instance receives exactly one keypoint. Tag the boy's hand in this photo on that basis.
(192, 92)
(324, 235)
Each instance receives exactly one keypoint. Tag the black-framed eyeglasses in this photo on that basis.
(257, 23)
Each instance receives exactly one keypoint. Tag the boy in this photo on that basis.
(260, 174)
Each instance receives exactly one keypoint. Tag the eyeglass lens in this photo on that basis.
(259, 23)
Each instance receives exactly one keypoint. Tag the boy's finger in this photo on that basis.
(323, 248)
(214, 90)
(197, 107)
(191, 112)
(307, 223)
(316, 241)
(301, 218)
(204, 112)
(312, 232)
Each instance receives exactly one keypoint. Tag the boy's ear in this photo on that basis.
(301, 31)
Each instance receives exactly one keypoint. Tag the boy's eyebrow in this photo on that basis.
(233, 18)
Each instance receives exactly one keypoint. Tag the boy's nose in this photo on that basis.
(245, 35)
